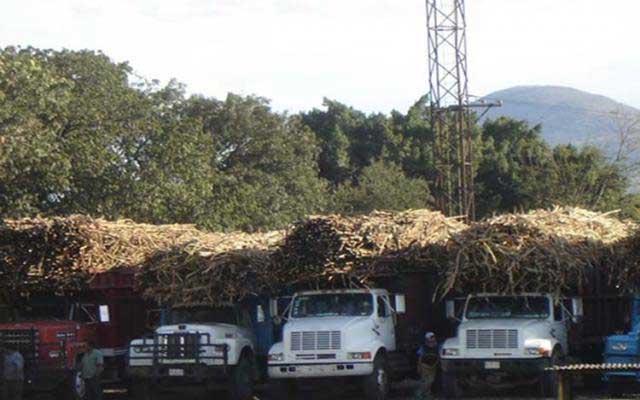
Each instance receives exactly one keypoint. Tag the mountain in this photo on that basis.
(567, 115)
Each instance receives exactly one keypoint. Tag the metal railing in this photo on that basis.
(167, 349)
(37, 355)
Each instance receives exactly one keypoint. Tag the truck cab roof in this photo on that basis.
(338, 291)
(524, 294)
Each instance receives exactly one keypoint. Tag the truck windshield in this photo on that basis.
(34, 312)
(332, 305)
(508, 307)
(225, 315)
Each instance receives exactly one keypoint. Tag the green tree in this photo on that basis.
(514, 167)
(519, 171)
(382, 186)
(33, 104)
(351, 140)
(267, 165)
(585, 178)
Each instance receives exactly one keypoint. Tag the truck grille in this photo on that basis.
(320, 340)
(25, 340)
(492, 339)
(182, 345)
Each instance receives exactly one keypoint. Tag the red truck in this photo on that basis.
(51, 332)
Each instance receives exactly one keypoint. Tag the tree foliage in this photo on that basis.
(382, 186)
(80, 133)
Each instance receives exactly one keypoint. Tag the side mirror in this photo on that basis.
(450, 307)
(104, 314)
(260, 314)
(273, 308)
(577, 310)
(401, 304)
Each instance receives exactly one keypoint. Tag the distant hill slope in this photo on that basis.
(567, 115)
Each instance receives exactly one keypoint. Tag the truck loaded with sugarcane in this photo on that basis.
(508, 340)
(569, 252)
(52, 333)
(344, 333)
(204, 347)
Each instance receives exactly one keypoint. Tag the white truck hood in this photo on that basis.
(352, 332)
(324, 324)
(520, 324)
(486, 338)
(215, 330)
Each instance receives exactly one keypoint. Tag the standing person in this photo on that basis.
(91, 367)
(12, 373)
(428, 360)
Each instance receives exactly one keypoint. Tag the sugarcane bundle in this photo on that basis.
(559, 250)
(627, 269)
(213, 271)
(62, 254)
(40, 254)
(359, 247)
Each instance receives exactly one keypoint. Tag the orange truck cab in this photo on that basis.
(51, 332)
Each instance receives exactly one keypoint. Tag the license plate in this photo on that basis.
(176, 372)
(492, 365)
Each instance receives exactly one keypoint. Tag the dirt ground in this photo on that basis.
(401, 391)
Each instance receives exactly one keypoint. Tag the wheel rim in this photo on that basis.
(381, 379)
(78, 386)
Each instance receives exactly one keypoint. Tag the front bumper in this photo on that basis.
(508, 366)
(45, 380)
(288, 371)
(180, 373)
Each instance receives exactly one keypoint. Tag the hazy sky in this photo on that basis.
(367, 53)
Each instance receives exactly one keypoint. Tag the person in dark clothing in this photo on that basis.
(428, 361)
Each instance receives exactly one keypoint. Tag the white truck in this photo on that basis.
(199, 346)
(507, 340)
(336, 334)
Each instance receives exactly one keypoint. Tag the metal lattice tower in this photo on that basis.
(450, 107)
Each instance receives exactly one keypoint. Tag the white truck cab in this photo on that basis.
(198, 345)
(338, 333)
(507, 339)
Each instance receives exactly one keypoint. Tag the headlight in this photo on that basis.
(537, 351)
(537, 347)
(275, 357)
(219, 348)
(359, 356)
(451, 352)
(619, 347)
(143, 349)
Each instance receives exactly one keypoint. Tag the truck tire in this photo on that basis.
(376, 385)
(550, 382)
(72, 388)
(142, 390)
(450, 386)
(242, 379)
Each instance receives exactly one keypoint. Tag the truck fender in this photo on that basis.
(380, 351)
(556, 347)
(243, 344)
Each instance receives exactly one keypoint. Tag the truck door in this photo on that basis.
(559, 328)
(384, 325)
